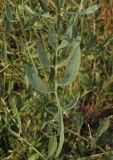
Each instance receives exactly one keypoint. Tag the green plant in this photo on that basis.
(72, 64)
(44, 112)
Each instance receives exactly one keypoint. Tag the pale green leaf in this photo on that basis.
(90, 9)
(74, 44)
(80, 120)
(36, 82)
(29, 10)
(73, 103)
(44, 6)
(34, 157)
(61, 132)
(12, 103)
(103, 127)
(63, 44)
(42, 55)
(52, 145)
(9, 13)
(73, 65)
(51, 38)
(68, 36)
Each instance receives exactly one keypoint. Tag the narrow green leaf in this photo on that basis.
(74, 44)
(63, 44)
(34, 157)
(103, 127)
(73, 65)
(61, 132)
(73, 103)
(80, 120)
(44, 6)
(69, 31)
(90, 9)
(29, 10)
(12, 102)
(68, 36)
(36, 82)
(52, 145)
(42, 55)
(9, 13)
(50, 38)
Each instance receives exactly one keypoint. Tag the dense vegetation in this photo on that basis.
(56, 80)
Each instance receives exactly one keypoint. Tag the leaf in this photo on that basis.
(80, 120)
(36, 82)
(12, 103)
(68, 36)
(72, 103)
(50, 38)
(29, 10)
(63, 44)
(42, 55)
(103, 127)
(69, 31)
(52, 145)
(34, 157)
(73, 65)
(90, 9)
(9, 15)
(69, 52)
(44, 6)
(61, 132)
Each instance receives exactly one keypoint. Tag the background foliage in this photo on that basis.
(28, 118)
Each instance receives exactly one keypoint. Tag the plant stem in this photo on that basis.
(60, 113)
(59, 107)
(25, 141)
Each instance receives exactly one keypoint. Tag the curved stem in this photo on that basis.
(60, 111)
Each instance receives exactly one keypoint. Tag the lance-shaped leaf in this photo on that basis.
(35, 156)
(103, 127)
(69, 52)
(68, 36)
(73, 65)
(61, 132)
(42, 55)
(90, 9)
(36, 82)
(73, 103)
(80, 120)
(51, 38)
(12, 103)
(52, 145)
(44, 6)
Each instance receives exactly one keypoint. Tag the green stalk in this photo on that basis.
(59, 107)
(60, 114)
(26, 142)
